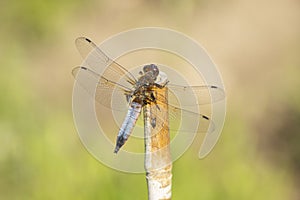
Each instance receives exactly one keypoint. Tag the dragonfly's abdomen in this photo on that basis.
(132, 115)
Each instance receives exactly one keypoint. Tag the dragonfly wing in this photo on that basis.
(97, 60)
(191, 95)
(188, 121)
(106, 92)
(181, 119)
(113, 80)
(185, 119)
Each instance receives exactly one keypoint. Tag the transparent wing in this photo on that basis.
(194, 95)
(180, 120)
(183, 120)
(97, 60)
(188, 120)
(106, 92)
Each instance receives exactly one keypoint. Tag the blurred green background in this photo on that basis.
(256, 45)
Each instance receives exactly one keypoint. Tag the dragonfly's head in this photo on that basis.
(151, 69)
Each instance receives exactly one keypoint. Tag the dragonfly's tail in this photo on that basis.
(133, 113)
(120, 142)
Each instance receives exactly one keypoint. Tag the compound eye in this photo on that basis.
(152, 68)
(146, 68)
(155, 70)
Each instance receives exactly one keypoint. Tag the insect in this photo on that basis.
(118, 89)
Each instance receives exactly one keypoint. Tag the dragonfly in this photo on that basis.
(120, 90)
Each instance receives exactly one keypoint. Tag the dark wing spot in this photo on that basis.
(83, 68)
(88, 40)
(213, 86)
(205, 117)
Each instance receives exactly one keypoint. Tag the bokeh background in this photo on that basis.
(256, 45)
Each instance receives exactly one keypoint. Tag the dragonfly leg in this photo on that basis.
(153, 99)
(128, 97)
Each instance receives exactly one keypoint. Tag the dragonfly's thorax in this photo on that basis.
(144, 88)
(144, 94)
(145, 81)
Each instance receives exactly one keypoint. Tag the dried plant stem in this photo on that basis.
(158, 163)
